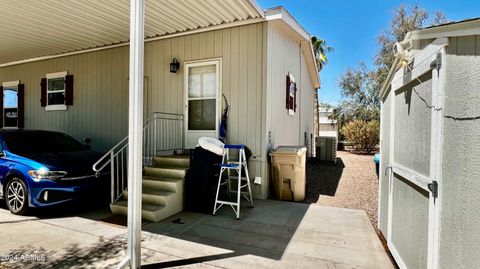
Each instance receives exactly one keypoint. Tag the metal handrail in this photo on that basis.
(161, 132)
(105, 157)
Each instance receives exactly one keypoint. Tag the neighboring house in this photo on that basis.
(71, 74)
(327, 127)
(429, 194)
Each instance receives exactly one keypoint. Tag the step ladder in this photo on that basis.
(236, 166)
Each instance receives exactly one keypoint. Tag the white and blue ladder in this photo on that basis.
(236, 166)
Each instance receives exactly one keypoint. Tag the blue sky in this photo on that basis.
(351, 28)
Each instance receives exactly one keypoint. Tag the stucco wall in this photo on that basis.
(460, 186)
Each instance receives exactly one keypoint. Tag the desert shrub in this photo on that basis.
(363, 135)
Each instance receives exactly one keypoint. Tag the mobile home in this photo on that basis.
(70, 74)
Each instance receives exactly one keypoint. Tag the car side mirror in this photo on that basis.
(87, 147)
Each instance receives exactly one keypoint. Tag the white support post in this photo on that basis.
(113, 188)
(135, 128)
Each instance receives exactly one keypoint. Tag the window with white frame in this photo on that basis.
(56, 91)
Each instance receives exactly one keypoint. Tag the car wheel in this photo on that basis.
(16, 196)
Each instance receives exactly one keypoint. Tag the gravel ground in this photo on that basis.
(349, 183)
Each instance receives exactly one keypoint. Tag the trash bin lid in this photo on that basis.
(299, 150)
(376, 158)
(211, 144)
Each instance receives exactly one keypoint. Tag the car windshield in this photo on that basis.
(41, 142)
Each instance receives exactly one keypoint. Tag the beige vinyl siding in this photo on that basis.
(101, 85)
(100, 109)
(306, 116)
(284, 56)
(240, 49)
(100, 95)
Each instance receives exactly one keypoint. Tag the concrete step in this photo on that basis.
(156, 197)
(165, 184)
(182, 161)
(153, 213)
(166, 172)
(162, 189)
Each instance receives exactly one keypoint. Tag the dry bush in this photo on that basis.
(364, 135)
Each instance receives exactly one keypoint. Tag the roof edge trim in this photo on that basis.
(280, 13)
(462, 28)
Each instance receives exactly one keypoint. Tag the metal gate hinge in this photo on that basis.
(437, 63)
(433, 187)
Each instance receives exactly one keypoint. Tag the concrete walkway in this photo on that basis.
(351, 182)
(272, 235)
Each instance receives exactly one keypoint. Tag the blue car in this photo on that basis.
(43, 168)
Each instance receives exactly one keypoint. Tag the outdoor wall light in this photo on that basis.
(174, 65)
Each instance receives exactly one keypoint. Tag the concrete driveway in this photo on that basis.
(272, 235)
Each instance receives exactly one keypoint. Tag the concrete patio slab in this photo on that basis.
(272, 235)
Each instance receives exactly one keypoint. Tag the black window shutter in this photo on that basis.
(43, 92)
(287, 101)
(295, 99)
(21, 105)
(1, 106)
(69, 90)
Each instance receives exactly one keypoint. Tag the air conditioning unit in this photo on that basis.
(327, 148)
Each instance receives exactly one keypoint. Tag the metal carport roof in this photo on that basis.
(37, 28)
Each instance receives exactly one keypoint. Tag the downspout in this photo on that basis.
(299, 95)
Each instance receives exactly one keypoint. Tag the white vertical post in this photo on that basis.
(436, 155)
(135, 128)
(113, 190)
(154, 135)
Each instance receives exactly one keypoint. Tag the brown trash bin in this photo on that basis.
(288, 170)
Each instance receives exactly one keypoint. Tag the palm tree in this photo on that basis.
(320, 48)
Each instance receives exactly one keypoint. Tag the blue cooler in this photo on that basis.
(376, 159)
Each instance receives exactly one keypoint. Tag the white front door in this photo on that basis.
(202, 106)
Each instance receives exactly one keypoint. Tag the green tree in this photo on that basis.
(360, 86)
